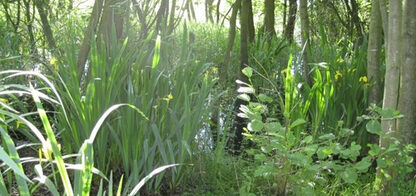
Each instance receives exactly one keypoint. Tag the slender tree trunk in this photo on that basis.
(89, 34)
(290, 26)
(162, 15)
(356, 21)
(392, 78)
(269, 17)
(191, 9)
(304, 23)
(373, 59)
(244, 40)
(384, 19)
(251, 30)
(231, 38)
(29, 24)
(45, 25)
(407, 101)
(284, 13)
(218, 11)
(172, 17)
(373, 54)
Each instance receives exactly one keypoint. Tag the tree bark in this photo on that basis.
(373, 59)
(304, 23)
(290, 26)
(251, 30)
(384, 19)
(89, 34)
(373, 54)
(391, 86)
(218, 11)
(269, 17)
(407, 101)
(231, 38)
(45, 25)
(172, 17)
(244, 40)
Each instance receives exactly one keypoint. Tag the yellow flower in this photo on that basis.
(54, 63)
(18, 123)
(214, 70)
(4, 100)
(363, 79)
(170, 96)
(338, 75)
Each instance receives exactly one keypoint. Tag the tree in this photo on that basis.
(373, 54)
(373, 58)
(304, 23)
(407, 101)
(290, 26)
(399, 88)
(269, 17)
(244, 41)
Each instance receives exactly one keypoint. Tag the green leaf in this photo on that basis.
(349, 175)
(156, 56)
(381, 163)
(265, 98)
(12, 165)
(248, 71)
(307, 140)
(363, 165)
(255, 125)
(328, 136)
(297, 122)
(373, 127)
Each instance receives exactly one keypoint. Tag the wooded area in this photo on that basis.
(207, 97)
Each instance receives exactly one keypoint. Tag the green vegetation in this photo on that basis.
(143, 98)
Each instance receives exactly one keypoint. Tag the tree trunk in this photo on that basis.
(373, 54)
(269, 17)
(45, 25)
(407, 101)
(89, 34)
(29, 24)
(391, 87)
(356, 21)
(218, 11)
(304, 23)
(231, 38)
(373, 59)
(172, 17)
(384, 19)
(244, 40)
(290, 26)
(251, 30)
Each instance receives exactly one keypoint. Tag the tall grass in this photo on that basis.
(170, 88)
(49, 151)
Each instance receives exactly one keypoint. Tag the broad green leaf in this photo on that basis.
(381, 162)
(363, 165)
(297, 122)
(265, 98)
(255, 125)
(373, 127)
(328, 136)
(307, 140)
(349, 175)
(248, 71)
